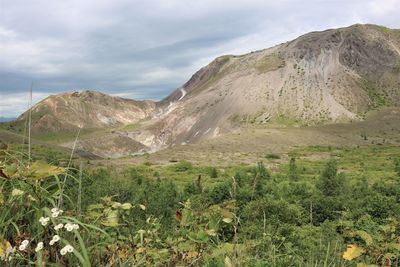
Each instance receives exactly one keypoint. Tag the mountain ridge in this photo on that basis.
(336, 75)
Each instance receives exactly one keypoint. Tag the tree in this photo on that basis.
(260, 175)
(293, 174)
(331, 183)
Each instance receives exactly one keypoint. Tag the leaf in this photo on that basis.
(95, 206)
(228, 262)
(227, 220)
(143, 207)
(126, 206)
(352, 252)
(227, 213)
(116, 205)
(224, 249)
(187, 217)
(112, 219)
(41, 169)
(200, 237)
(364, 236)
(10, 170)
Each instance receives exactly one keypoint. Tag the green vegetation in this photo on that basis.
(338, 209)
(375, 94)
(270, 62)
(132, 126)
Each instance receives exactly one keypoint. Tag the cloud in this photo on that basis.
(145, 49)
(17, 103)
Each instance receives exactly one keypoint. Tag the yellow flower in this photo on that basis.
(5, 249)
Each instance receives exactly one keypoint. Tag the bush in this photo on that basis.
(213, 173)
(272, 156)
(331, 183)
(183, 166)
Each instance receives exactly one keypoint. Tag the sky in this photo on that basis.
(146, 49)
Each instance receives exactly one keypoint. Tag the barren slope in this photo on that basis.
(322, 77)
(89, 110)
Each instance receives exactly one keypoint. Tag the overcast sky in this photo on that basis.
(145, 49)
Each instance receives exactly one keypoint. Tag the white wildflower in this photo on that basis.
(44, 220)
(75, 226)
(25, 242)
(67, 249)
(22, 247)
(39, 247)
(58, 226)
(54, 210)
(54, 240)
(63, 251)
(69, 227)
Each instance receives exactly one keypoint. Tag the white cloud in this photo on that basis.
(381, 8)
(146, 48)
(14, 104)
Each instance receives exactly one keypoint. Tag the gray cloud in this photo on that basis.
(145, 49)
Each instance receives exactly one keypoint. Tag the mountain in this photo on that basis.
(332, 76)
(335, 75)
(90, 110)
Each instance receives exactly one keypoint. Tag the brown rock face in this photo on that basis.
(88, 109)
(321, 77)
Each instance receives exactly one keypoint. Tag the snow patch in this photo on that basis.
(183, 91)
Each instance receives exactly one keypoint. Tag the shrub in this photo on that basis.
(183, 166)
(213, 173)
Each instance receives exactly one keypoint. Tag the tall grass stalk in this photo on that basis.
(30, 125)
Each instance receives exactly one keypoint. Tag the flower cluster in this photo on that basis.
(55, 212)
(54, 240)
(39, 247)
(71, 226)
(67, 249)
(23, 245)
(44, 220)
(6, 250)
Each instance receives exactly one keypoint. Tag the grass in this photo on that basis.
(269, 63)
(132, 126)
(373, 162)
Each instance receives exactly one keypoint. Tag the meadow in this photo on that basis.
(315, 206)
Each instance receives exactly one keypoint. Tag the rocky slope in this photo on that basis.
(89, 110)
(322, 77)
(331, 76)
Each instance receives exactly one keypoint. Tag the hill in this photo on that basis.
(333, 76)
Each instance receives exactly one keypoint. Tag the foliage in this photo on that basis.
(293, 173)
(301, 213)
